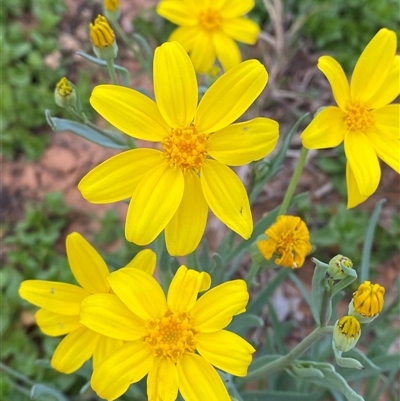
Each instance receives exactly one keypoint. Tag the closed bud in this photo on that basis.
(111, 9)
(340, 267)
(367, 302)
(65, 94)
(346, 332)
(103, 39)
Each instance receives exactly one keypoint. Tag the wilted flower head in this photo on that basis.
(288, 238)
(208, 30)
(363, 119)
(346, 332)
(175, 339)
(367, 302)
(103, 39)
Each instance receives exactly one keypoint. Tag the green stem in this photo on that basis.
(111, 71)
(325, 304)
(286, 360)
(293, 182)
(16, 375)
(254, 268)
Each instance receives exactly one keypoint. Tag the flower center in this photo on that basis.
(210, 19)
(185, 148)
(358, 117)
(171, 336)
(285, 247)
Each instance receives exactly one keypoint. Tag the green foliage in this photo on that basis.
(343, 28)
(28, 33)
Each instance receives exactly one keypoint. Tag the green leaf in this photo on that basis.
(320, 291)
(105, 138)
(40, 389)
(274, 395)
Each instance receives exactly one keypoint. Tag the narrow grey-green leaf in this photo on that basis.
(319, 290)
(42, 389)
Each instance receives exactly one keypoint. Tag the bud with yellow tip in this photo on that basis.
(339, 267)
(103, 39)
(346, 332)
(111, 9)
(367, 302)
(65, 94)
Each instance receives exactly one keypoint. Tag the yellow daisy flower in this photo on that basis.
(173, 188)
(364, 120)
(346, 333)
(289, 238)
(174, 340)
(60, 304)
(208, 30)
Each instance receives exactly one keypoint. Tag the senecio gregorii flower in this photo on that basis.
(60, 304)
(367, 302)
(346, 332)
(338, 267)
(111, 9)
(208, 30)
(162, 335)
(364, 119)
(172, 189)
(288, 238)
(64, 93)
(103, 39)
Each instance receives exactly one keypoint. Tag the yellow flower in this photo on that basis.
(173, 188)
(364, 120)
(367, 302)
(103, 39)
(64, 93)
(60, 304)
(208, 30)
(289, 238)
(111, 5)
(175, 340)
(346, 332)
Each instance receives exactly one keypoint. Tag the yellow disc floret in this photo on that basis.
(185, 148)
(171, 336)
(209, 19)
(358, 117)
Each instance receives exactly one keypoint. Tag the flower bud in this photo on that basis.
(367, 302)
(346, 332)
(103, 39)
(111, 9)
(339, 267)
(65, 94)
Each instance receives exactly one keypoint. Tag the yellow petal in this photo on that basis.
(227, 197)
(117, 178)
(203, 52)
(86, 264)
(105, 346)
(129, 111)
(184, 288)
(140, 292)
(177, 11)
(363, 162)
(230, 96)
(337, 79)
(74, 350)
(384, 135)
(236, 8)
(61, 298)
(354, 197)
(226, 351)
(144, 260)
(154, 202)
(109, 316)
(183, 238)
(226, 49)
(373, 66)
(175, 84)
(54, 324)
(214, 310)
(389, 89)
(326, 130)
(198, 380)
(244, 142)
(126, 365)
(162, 381)
(241, 29)
(185, 35)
